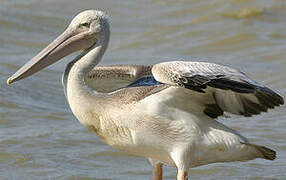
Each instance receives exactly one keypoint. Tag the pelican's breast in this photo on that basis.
(109, 126)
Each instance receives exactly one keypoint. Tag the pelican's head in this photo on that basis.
(83, 33)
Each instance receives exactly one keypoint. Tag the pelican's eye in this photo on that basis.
(84, 25)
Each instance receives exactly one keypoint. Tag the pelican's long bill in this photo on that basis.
(68, 42)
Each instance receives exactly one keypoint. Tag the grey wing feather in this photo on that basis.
(231, 89)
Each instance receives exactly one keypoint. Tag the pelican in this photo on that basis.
(166, 112)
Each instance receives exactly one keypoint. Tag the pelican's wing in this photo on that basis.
(216, 88)
(110, 78)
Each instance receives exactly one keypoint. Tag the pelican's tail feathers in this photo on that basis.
(263, 151)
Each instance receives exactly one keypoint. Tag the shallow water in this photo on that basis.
(41, 139)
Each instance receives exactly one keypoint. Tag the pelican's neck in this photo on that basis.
(77, 90)
(88, 59)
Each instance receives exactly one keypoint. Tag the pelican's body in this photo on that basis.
(163, 112)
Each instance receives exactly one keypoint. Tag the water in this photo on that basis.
(41, 139)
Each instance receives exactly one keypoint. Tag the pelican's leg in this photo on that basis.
(157, 172)
(182, 175)
(182, 158)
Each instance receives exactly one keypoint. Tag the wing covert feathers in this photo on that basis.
(232, 90)
(111, 78)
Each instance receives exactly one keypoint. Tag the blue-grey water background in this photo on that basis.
(41, 139)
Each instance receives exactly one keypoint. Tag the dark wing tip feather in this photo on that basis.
(268, 97)
(198, 83)
(228, 84)
(251, 108)
(213, 110)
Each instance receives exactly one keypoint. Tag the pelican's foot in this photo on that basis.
(157, 171)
